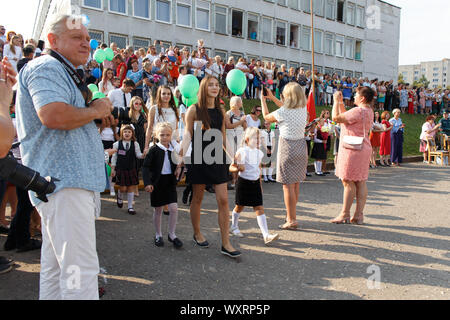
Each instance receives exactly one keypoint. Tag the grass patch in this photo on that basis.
(411, 136)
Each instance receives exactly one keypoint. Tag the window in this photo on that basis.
(294, 65)
(119, 39)
(97, 4)
(282, 2)
(281, 33)
(141, 8)
(306, 5)
(339, 72)
(416, 72)
(328, 70)
(267, 30)
(306, 38)
(349, 73)
(340, 10)
(358, 74)
(306, 66)
(351, 13)
(237, 23)
(237, 56)
(319, 69)
(358, 50)
(181, 46)
(435, 74)
(163, 10)
(329, 8)
(279, 63)
(119, 6)
(97, 35)
(221, 20)
(140, 43)
(435, 69)
(293, 36)
(349, 48)
(294, 4)
(250, 57)
(360, 17)
(184, 8)
(339, 46)
(202, 18)
(223, 55)
(318, 7)
(252, 24)
(318, 35)
(328, 44)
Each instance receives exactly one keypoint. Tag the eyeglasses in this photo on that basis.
(258, 110)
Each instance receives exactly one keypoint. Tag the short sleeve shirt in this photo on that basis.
(251, 159)
(75, 157)
(292, 122)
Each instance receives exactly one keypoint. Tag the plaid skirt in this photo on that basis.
(127, 178)
(292, 161)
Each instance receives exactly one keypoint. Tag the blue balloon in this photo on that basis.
(173, 58)
(94, 44)
(97, 73)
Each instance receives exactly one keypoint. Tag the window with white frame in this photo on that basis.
(306, 66)
(358, 74)
(318, 7)
(141, 8)
(306, 38)
(293, 64)
(339, 46)
(120, 40)
(319, 69)
(222, 54)
(329, 70)
(282, 2)
(184, 16)
(340, 10)
(306, 5)
(339, 72)
(349, 73)
(349, 48)
(202, 15)
(237, 23)
(221, 20)
(119, 6)
(328, 44)
(294, 4)
(279, 63)
(97, 4)
(330, 5)
(358, 50)
(96, 35)
(187, 46)
(253, 26)
(350, 13)
(267, 30)
(318, 37)
(140, 43)
(163, 10)
(294, 32)
(237, 56)
(360, 17)
(281, 33)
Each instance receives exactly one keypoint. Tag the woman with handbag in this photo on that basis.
(354, 151)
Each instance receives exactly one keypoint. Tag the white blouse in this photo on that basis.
(252, 123)
(167, 115)
(11, 56)
(292, 122)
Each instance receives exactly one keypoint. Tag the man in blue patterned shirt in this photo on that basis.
(59, 138)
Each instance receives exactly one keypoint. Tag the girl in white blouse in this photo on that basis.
(13, 51)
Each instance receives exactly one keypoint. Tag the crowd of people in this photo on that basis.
(148, 133)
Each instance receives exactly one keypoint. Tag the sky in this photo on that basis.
(423, 31)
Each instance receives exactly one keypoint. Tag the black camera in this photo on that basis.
(26, 178)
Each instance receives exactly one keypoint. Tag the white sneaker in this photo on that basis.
(236, 232)
(270, 238)
(112, 193)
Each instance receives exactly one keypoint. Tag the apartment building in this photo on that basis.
(434, 71)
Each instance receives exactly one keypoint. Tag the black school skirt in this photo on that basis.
(165, 191)
(248, 193)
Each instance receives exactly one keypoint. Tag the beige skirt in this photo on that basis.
(292, 161)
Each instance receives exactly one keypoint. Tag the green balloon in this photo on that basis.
(109, 54)
(98, 95)
(189, 86)
(176, 102)
(93, 88)
(99, 55)
(189, 102)
(108, 169)
(236, 81)
(272, 126)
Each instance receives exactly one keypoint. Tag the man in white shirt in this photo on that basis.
(2, 33)
(120, 98)
(217, 69)
(152, 55)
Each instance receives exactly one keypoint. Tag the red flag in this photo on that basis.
(311, 105)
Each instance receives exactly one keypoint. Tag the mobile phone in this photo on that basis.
(264, 91)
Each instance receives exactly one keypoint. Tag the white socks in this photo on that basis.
(318, 166)
(157, 221)
(173, 209)
(262, 222)
(235, 220)
(269, 174)
(130, 198)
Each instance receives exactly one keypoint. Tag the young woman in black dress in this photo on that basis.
(203, 171)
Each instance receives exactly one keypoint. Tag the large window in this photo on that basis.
(267, 30)
(294, 4)
(293, 64)
(328, 44)
(330, 5)
(237, 56)
(306, 38)
(221, 20)
(349, 73)
(329, 71)
(97, 4)
(281, 33)
(339, 46)
(140, 43)
(119, 6)
(163, 12)
(253, 25)
(349, 48)
(202, 15)
(360, 17)
(306, 5)
(141, 8)
(120, 40)
(96, 35)
(293, 36)
(282, 2)
(223, 55)
(340, 10)
(350, 13)
(237, 23)
(358, 50)
(318, 36)
(184, 15)
(318, 7)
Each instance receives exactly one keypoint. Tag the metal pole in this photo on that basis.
(312, 37)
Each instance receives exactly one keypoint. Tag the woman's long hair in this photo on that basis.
(171, 102)
(134, 115)
(202, 105)
(12, 47)
(105, 78)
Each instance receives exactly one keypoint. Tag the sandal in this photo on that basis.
(342, 219)
(288, 226)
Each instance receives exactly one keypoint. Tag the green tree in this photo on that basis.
(400, 79)
(423, 82)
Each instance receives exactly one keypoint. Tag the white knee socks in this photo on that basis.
(318, 166)
(157, 221)
(173, 209)
(235, 220)
(130, 200)
(262, 222)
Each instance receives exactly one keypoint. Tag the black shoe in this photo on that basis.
(159, 242)
(308, 174)
(327, 173)
(4, 260)
(230, 187)
(233, 254)
(33, 244)
(319, 174)
(185, 196)
(210, 189)
(4, 230)
(176, 242)
(9, 245)
(132, 211)
(4, 268)
(119, 201)
(203, 244)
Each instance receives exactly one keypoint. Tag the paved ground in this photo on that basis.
(406, 239)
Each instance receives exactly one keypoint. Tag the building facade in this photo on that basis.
(434, 71)
(353, 38)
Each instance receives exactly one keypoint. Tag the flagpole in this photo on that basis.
(312, 37)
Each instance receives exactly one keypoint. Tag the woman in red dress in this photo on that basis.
(411, 100)
(385, 139)
(374, 137)
(121, 71)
